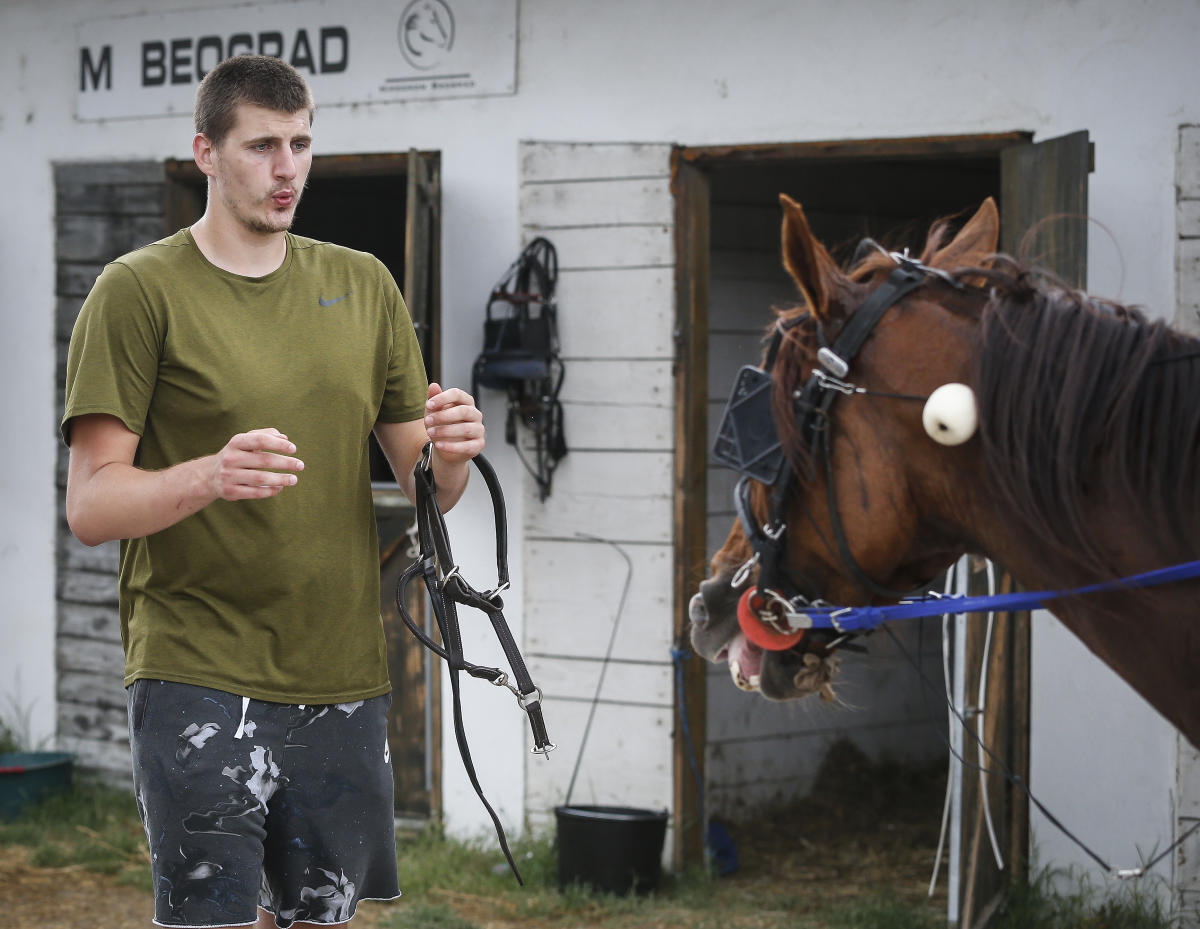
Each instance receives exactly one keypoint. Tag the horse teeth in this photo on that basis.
(735, 671)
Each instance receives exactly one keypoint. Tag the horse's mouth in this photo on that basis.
(803, 669)
(745, 661)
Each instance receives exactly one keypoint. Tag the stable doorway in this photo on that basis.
(729, 276)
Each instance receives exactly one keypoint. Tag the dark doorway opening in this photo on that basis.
(729, 277)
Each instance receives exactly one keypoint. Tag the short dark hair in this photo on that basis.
(258, 79)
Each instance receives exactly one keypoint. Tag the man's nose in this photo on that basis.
(285, 164)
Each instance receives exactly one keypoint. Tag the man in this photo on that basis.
(221, 386)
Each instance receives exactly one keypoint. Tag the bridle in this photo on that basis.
(748, 441)
(447, 588)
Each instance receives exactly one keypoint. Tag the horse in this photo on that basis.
(1067, 454)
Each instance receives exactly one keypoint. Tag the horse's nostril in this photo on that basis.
(697, 611)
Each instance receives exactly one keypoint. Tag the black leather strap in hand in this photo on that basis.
(447, 589)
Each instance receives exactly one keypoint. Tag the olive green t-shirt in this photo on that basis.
(274, 599)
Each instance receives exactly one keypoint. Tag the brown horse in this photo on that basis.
(1082, 468)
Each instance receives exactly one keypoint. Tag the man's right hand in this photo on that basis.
(109, 498)
(247, 467)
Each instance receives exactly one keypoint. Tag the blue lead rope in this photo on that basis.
(862, 618)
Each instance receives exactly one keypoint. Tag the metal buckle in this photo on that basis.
(833, 362)
(833, 618)
(742, 574)
(788, 619)
(527, 700)
(828, 382)
(905, 260)
(524, 701)
(496, 592)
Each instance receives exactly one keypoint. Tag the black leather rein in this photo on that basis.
(447, 589)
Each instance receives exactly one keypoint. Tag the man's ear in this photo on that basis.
(204, 152)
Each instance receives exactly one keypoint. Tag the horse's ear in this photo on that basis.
(975, 243)
(809, 264)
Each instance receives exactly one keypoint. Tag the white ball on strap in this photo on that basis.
(950, 416)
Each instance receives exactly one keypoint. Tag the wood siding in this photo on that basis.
(1187, 246)
(609, 212)
(101, 211)
(1187, 317)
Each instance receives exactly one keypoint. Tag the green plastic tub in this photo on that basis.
(27, 777)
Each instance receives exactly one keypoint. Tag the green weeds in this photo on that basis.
(1058, 899)
(92, 827)
(450, 884)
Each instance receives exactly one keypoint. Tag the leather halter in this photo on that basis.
(447, 588)
(811, 406)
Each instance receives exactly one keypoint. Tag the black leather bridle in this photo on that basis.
(748, 441)
(447, 589)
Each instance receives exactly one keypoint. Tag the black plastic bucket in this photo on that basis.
(613, 849)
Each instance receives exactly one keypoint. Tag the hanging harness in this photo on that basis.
(521, 357)
(447, 589)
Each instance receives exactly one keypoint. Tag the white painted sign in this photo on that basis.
(367, 51)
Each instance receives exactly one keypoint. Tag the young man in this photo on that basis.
(221, 386)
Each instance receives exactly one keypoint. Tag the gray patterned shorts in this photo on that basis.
(249, 804)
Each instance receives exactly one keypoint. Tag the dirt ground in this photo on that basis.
(778, 874)
(865, 833)
(73, 898)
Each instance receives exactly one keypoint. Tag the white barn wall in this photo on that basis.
(669, 72)
(608, 209)
(1187, 317)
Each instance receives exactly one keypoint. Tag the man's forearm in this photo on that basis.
(120, 501)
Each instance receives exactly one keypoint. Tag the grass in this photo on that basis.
(455, 885)
(90, 827)
(1058, 899)
(789, 879)
(8, 741)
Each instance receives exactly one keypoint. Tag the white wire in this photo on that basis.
(948, 590)
(979, 710)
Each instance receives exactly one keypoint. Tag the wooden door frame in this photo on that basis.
(689, 166)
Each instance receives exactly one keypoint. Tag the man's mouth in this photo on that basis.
(283, 198)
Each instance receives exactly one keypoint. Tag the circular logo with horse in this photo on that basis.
(426, 33)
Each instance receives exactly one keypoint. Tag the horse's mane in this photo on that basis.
(1087, 410)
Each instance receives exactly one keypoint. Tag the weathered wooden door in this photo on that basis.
(692, 225)
(414, 725)
(1043, 214)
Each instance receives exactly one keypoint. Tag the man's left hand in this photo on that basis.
(454, 424)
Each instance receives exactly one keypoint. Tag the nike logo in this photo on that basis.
(324, 302)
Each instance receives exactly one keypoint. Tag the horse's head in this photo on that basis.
(867, 504)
